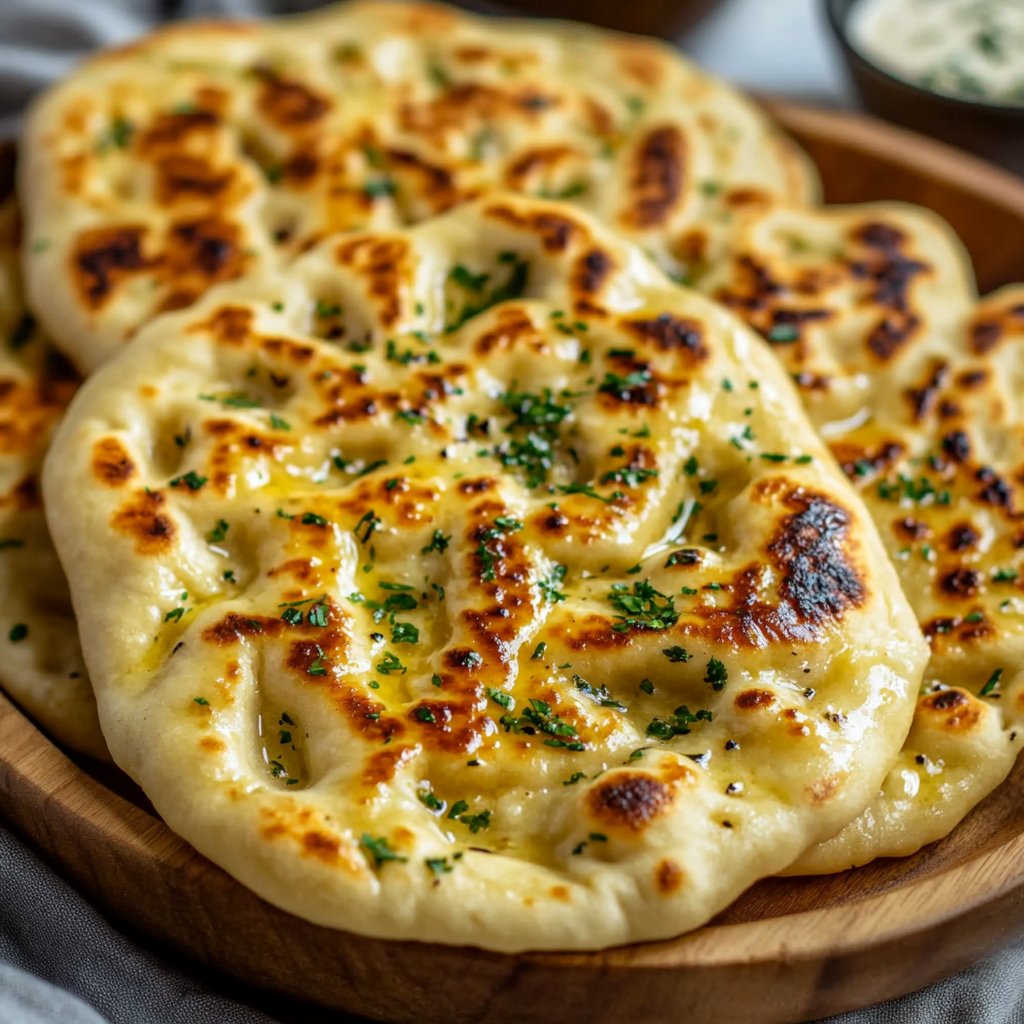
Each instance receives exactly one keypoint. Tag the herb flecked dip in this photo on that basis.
(973, 49)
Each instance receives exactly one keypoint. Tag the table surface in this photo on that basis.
(60, 961)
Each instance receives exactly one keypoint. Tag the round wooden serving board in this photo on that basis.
(788, 950)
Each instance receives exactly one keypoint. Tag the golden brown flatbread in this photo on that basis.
(916, 387)
(474, 584)
(208, 152)
(40, 660)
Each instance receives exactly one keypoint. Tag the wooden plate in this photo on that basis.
(788, 950)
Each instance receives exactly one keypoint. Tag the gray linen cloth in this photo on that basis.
(61, 962)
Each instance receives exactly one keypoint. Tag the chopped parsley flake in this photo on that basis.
(378, 188)
(18, 633)
(404, 633)
(992, 684)
(378, 849)
(626, 387)
(578, 488)
(317, 667)
(476, 822)
(629, 475)
(514, 287)
(784, 334)
(327, 309)
(716, 674)
(390, 663)
(685, 556)
(117, 136)
(677, 653)
(549, 587)
(598, 694)
(678, 724)
(745, 436)
(570, 191)
(539, 715)
(489, 556)
(365, 527)
(920, 490)
(643, 608)
(430, 800)
(393, 355)
(467, 279)
(500, 697)
(439, 542)
(219, 532)
(234, 400)
(438, 75)
(192, 480)
(535, 432)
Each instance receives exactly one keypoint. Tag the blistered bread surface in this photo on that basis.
(474, 583)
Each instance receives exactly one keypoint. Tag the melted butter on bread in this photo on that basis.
(477, 569)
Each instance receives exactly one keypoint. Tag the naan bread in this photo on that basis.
(40, 659)
(918, 390)
(474, 584)
(208, 152)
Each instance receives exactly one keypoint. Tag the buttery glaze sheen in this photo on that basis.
(202, 154)
(477, 585)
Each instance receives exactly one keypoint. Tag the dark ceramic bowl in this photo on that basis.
(665, 18)
(992, 130)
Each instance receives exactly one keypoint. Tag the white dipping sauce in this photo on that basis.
(973, 49)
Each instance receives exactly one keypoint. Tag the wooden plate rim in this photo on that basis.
(894, 145)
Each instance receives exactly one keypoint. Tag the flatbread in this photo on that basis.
(916, 386)
(40, 660)
(474, 584)
(211, 151)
